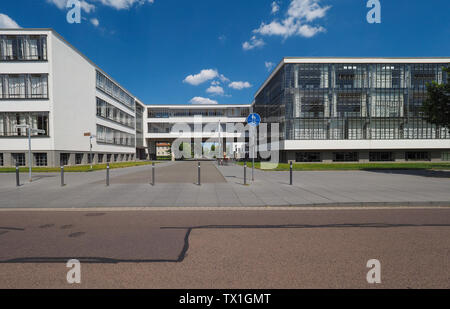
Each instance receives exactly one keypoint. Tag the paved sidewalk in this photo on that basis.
(130, 188)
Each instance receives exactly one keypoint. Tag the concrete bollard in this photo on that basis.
(245, 173)
(291, 182)
(107, 175)
(199, 174)
(17, 176)
(153, 174)
(62, 176)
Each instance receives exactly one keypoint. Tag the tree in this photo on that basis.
(436, 107)
(213, 147)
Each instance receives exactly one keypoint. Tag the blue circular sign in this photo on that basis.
(254, 120)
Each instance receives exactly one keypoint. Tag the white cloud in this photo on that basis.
(95, 22)
(200, 78)
(296, 22)
(85, 6)
(201, 100)
(299, 14)
(123, 4)
(275, 7)
(6, 22)
(239, 85)
(88, 7)
(217, 90)
(269, 65)
(253, 43)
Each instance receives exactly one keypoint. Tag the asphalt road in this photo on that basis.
(326, 248)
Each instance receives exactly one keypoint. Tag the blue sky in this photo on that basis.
(181, 52)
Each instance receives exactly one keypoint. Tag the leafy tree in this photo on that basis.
(213, 147)
(436, 107)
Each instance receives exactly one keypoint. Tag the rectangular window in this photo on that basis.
(1, 159)
(79, 158)
(64, 159)
(446, 156)
(24, 86)
(307, 157)
(116, 157)
(40, 159)
(381, 156)
(18, 159)
(107, 86)
(417, 156)
(16, 86)
(108, 158)
(23, 48)
(100, 158)
(345, 157)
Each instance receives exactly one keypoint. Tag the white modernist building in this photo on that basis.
(49, 85)
(208, 124)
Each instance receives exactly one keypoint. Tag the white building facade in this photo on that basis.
(206, 124)
(49, 85)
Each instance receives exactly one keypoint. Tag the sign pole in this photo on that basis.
(30, 162)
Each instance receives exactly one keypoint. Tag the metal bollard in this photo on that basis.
(153, 173)
(62, 176)
(17, 176)
(245, 173)
(107, 175)
(291, 180)
(199, 175)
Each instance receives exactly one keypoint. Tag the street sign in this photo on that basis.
(87, 134)
(39, 131)
(22, 126)
(254, 120)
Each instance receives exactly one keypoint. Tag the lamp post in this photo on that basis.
(91, 137)
(30, 160)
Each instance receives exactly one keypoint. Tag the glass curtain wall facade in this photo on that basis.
(350, 101)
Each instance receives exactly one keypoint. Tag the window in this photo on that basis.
(100, 158)
(446, 156)
(18, 159)
(345, 157)
(79, 158)
(23, 48)
(16, 86)
(9, 121)
(23, 86)
(417, 156)
(108, 158)
(107, 86)
(110, 112)
(307, 157)
(1, 159)
(64, 158)
(116, 157)
(111, 136)
(381, 156)
(40, 159)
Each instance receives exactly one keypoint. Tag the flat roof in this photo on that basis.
(199, 106)
(364, 60)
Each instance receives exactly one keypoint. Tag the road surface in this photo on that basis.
(322, 248)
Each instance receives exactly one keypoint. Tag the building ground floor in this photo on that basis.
(61, 158)
(365, 156)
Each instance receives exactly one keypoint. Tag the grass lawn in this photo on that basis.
(357, 166)
(78, 168)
